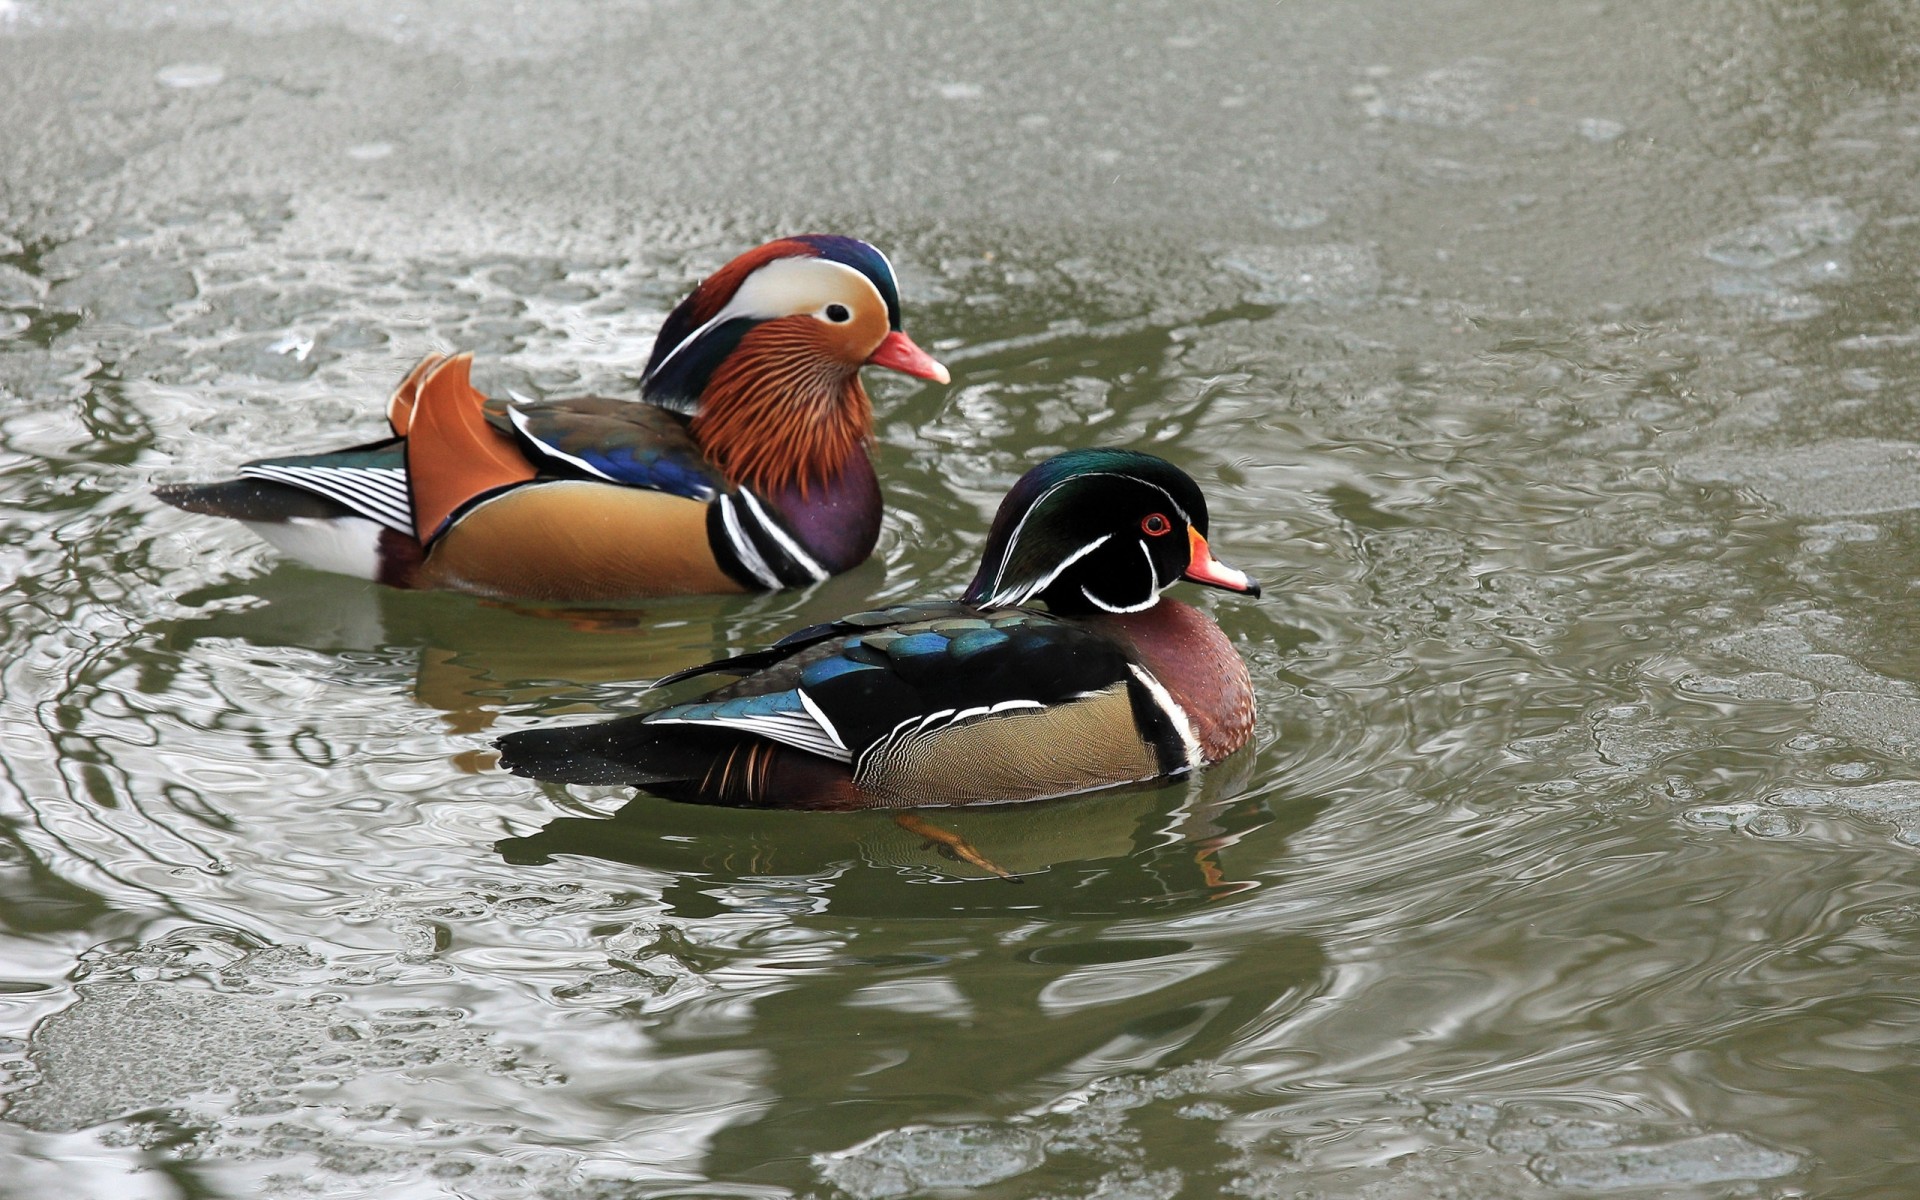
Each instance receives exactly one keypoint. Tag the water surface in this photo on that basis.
(1552, 363)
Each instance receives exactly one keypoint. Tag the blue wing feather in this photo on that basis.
(863, 677)
(622, 441)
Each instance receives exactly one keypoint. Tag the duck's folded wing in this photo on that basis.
(861, 695)
(621, 441)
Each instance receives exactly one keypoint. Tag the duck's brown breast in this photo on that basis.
(1198, 666)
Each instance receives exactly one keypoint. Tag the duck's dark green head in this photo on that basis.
(1099, 531)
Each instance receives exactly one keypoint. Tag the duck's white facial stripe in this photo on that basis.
(1020, 595)
(787, 287)
(1153, 592)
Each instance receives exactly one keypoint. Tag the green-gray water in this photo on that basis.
(1554, 364)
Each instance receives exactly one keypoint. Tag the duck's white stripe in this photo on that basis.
(1153, 593)
(519, 420)
(380, 493)
(1182, 724)
(1013, 540)
(376, 492)
(781, 536)
(743, 547)
(802, 730)
(779, 288)
(789, 729)
(814, 711)
(1020, 595)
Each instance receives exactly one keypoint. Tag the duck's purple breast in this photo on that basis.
(837, 521)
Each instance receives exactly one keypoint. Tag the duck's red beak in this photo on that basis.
(898, 353)
(1207, 569)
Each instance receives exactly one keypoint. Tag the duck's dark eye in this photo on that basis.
(1155, 525)
(839, 314)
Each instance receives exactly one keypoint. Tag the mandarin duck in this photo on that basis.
(984, 700)
(744, 465)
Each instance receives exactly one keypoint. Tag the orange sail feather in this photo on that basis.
(453, 455)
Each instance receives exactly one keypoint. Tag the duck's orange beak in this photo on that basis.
(1207, 569)
(898, 353)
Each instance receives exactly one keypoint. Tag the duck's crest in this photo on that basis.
(680, 384)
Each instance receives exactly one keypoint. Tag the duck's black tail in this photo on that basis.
(251, 500)
(627, 751)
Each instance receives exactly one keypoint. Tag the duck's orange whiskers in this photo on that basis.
(782, 411)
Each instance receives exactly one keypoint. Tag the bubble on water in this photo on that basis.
(136, 291)
(1747, 818)
(1600, 1154)
(125, 1047)
(370, 151)
(1137, 1185)
(1789, 650)
(1600, 130)
(1836, 478)
(1632, 737)
(1825, 221)
(191, 75)
(960, 91)
(904, 1162)
(1755, 685)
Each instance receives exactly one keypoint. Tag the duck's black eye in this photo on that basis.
(1155, 525)
(839, 314)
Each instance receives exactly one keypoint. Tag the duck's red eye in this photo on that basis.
(1155, 525)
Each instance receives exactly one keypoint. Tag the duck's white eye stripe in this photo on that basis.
(1021, 593)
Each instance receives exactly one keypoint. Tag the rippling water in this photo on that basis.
(1553, 365)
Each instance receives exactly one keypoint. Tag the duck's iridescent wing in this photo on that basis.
(842, 694)
(621, 441)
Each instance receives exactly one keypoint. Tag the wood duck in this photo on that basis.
(744, 467)
(984, 700)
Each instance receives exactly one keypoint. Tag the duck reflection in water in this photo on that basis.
(1153, 846)
(472, 659)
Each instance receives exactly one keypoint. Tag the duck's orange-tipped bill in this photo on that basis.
(1207, 569)
(898, 353)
